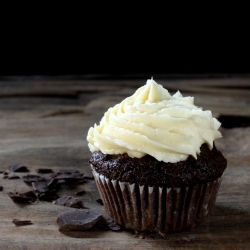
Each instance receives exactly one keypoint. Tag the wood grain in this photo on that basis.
(44, 123)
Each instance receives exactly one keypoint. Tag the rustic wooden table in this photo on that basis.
(44, 123)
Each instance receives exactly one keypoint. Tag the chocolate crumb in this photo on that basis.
(18, 168)
(44, 170)
(114, 226)
(21, 222)
(80, 192)
(161, 234)
(88, 176)
(100, 201)
(13, 176)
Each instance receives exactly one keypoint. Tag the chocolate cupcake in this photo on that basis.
(155, 162)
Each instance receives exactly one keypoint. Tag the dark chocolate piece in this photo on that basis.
(44, 170)
(31, 178)
(26, 197)
(1, 188)
(51, 183)
(69, 201)
(18, 168)
(88, 176)
(81, 181)
(40, 186)
(43, 191)
(49, 196)
(1, 171)
(78, 220)
(99, 201)
(209, 165)
(13, 176)
(21, 222)
(80, 192)
(69, 177)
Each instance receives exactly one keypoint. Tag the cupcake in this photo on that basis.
(155, 162)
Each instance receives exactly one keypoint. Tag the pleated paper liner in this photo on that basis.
(155, 209)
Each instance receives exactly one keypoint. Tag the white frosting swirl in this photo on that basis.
(151, 121)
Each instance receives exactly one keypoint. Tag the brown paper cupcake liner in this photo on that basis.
(155, 209)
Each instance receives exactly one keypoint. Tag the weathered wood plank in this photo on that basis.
(43, 124)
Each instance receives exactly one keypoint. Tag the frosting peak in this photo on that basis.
(151, 92)
(151, 121)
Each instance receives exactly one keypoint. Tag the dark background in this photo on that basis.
(125, 56)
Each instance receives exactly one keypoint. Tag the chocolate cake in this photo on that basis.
(210, 165)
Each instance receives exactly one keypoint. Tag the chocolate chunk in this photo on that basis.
(1, 171)
(99, 201)
(31, 178)
(113, 225)
(40, 186)
(18, 168)
(13, 176)
(51, 183)
(43, 191)
(49, 196)
(69, 177)
(26, 197)
(44, 170)
(69, 201)
(78, 220)
(80, 192)
(81, 181)
(21, 222)
(1, 188)
(88, 176)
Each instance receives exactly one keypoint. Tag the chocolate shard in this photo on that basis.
(13, 176)
(21, 222)
(31, 178)
(69, 177)
(1, 188)
(88, 176)
(44, 170)
(78, 220)
(43, 192)
(48, 196)
(18, 168)
(99, 201)
(26, 197)
(69, 201)
(113, 225)
(40, 186)
(51, 183)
